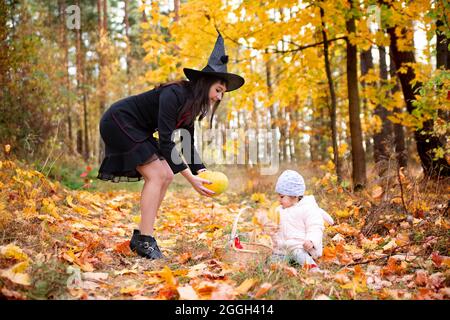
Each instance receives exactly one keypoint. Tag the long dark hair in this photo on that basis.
(197, 104)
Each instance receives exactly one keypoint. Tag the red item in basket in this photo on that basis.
(237, 243)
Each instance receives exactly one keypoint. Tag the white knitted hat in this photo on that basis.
(290, 183)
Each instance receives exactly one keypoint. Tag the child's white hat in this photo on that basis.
(290, 183)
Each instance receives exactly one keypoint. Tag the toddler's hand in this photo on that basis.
(271, 229)
(308, 245)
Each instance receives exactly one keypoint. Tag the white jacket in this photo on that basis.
(301, 222)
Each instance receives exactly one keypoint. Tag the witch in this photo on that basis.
(133, 153)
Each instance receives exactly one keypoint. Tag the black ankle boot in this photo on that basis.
(134, 239)
(147, 247)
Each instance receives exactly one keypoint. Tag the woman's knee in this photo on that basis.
(156, 172)
(153, 172)
(169, 176)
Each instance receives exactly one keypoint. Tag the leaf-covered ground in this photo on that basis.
(390, 242)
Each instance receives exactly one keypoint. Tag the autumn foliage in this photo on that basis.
(60, 243)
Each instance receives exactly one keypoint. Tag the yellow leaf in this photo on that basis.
(343, 213)
(258, 197)
(390, 245)
(167, 275)
(12, 251)
(168, 243)
(81, 210)
(132, 291)
(20, 267)
(136, 219)
(18, 278)
(246, 285)
(358, 283)
(69, 200)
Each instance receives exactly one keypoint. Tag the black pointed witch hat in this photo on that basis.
(217, 66)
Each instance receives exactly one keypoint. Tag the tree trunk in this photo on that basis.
(383, 139)
(176, 9)
(333, 113)
(128, 52)
(425, 142)
(65, 47)
(358, 156)
(442, 60)
(366, 65)
(442, 43)
(399, 131)
(105, 16)
(82, 91)
(103, 34)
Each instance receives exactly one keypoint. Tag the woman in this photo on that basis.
(132, 153)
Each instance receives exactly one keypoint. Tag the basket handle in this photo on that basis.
(234, 229)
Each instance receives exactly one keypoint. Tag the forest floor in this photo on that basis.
(389, 242)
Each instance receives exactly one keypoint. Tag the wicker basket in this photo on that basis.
(251, 252)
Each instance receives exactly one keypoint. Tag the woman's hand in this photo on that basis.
(197, 183)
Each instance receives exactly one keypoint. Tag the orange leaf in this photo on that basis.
(421, 278)
(123, 248)
(346, 229)
(266, 286)
(393, 266)
(185, 257)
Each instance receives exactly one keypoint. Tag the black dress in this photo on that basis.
(127, 129)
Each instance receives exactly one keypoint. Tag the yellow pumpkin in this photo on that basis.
(218, 179)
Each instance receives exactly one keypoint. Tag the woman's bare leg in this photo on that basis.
(156, 181)
(169, 173)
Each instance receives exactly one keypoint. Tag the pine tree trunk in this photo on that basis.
(65, 48)
(358, 156)
(103, 34)
(79, 84)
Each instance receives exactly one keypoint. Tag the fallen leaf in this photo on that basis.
(421, 278)
(12, 251)
(263, 289)
(123, 248)
(377, 192)
(246, 285)
(185, 257)
(341, 278)
(95, 276)
(346, 229)
(18, 278)
(187, 293)
(223, 291)
(12, 295)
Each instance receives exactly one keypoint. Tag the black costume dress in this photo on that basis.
(127, 129)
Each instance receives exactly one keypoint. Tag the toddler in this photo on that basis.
(300, 231)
